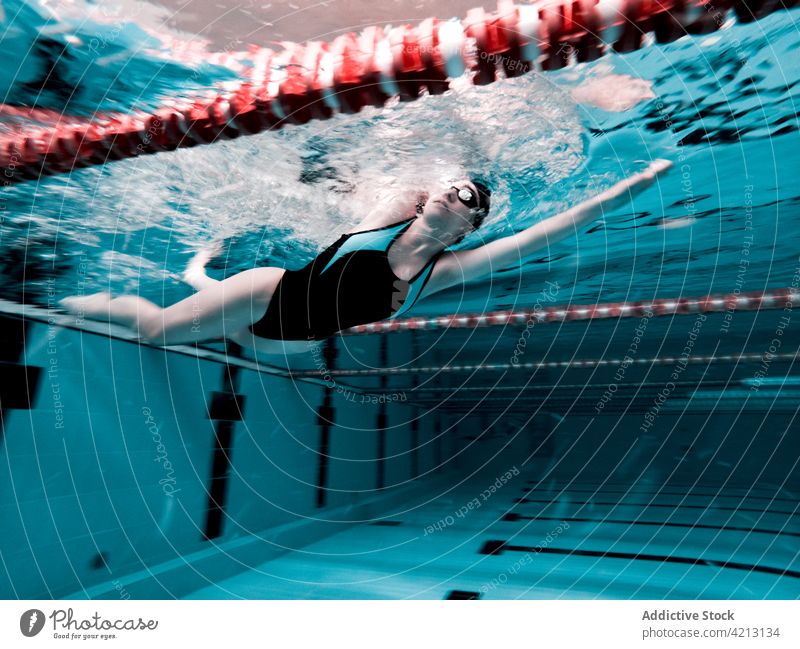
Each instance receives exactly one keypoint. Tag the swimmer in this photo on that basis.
(391, 260)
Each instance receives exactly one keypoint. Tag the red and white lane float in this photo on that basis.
(314, 80)
(754, 301)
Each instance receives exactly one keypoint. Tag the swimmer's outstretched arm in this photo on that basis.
(454, 267)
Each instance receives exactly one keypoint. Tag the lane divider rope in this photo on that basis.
(746, 301)
(586, 363)
(316, 80)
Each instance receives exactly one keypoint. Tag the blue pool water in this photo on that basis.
(333, 492)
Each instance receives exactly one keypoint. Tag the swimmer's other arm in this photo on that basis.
(454, 268)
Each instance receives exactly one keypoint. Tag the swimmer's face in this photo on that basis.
(448, 215)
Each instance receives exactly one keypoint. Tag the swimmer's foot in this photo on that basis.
(195, 273)
(94, 307)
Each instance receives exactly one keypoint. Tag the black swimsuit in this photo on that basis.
(350, 283)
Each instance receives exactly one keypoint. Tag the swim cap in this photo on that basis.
(484, 195)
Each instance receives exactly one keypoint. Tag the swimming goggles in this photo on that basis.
(466, 196)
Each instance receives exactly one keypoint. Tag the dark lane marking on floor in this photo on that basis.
(640, 492)
(414, 412)
(627, 487)
(439, 443)
(382, 418)
(19, 385)
(414, 444)
(13, 333)
(513, 518)
(526, 501)
(380, 426)
(462, 594)
(326, 415)
(226, 408)
(498, 547)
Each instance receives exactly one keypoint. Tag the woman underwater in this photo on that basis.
(377, 271)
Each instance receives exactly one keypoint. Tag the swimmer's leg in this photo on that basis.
(226, 306)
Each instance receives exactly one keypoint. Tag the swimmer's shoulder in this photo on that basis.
(398, 211)
(368, 225)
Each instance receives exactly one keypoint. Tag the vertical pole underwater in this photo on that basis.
(382, 418)
(19, 382)
(225, 409)
(325, 421)
(439, 443)
(414, 411)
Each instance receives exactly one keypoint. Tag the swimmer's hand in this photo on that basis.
(409, 203)
(648, 176)
(621, 193)
(410, 195)
(421, 199)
